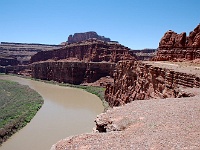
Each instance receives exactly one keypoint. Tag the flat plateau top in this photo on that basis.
(184, 67)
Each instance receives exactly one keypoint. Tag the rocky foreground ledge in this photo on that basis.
(171, 123)
(148, 124)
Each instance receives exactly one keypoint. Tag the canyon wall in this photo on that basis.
(20, 53)
(91, 50)
(179, 47)
(71, 72)
(7, 61)
(138, 81)
(144, 54)
(83, 62)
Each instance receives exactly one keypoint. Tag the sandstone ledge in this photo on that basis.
(74, 72)
(148, 124)
(149, 80)
(179, 47)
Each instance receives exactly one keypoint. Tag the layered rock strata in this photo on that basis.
(179, 47)
(138, 81)
(92, 50)
(8, 61)
(78, 37)
(71, 72)
(144, 54)
(20, 53)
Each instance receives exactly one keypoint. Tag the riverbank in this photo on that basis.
(98, 91)
(18, 105)
(66, 112)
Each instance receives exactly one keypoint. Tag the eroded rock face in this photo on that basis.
(138, 81)
(80, 63)
(193, 40)
(78, 37)
(175, 46)
(7, 61)
(172, 39)
(92, 50)
(20, 53)
(144, 54)
(71, 72)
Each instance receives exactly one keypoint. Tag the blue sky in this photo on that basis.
(137, 24)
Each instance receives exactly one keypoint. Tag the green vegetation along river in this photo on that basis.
(18, 105)
(66, 111)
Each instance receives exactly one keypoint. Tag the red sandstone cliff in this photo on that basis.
(144, 54)
(71, 72)
(193, 40)
(175, 46)
(78, 63)
(8, 61)
(138, 81)
(20, 53)
(92, 50)
(78, 37)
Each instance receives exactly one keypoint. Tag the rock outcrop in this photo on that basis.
(75, 72)
(8, 61)
(79, 63)
(91, 50)
(179, 47)
(144, 54)
(138, 81)
(193, 40)
(143, 125)
(78, 37)
(20, 53)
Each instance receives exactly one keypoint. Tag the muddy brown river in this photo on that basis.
(66, 112)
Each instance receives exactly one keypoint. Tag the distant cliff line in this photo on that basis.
(13, 43)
